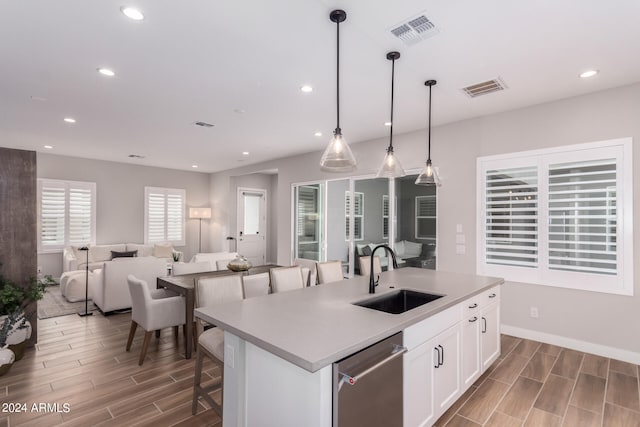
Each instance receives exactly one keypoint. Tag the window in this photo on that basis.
(425, 217)
(164, 215)
(559, 217)
(385, 216)
(66, 214)
(308, 220)
(358, 215)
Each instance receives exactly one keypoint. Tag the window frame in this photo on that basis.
(166, 191)
(622, 282)
(67, 185)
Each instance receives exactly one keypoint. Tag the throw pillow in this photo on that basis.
(125, 254)
(163, 251)
(366, 251)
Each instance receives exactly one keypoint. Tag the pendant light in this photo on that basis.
(429, 175)
(338, 156)
(391, 167)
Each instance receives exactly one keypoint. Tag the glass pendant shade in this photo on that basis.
(390, 167)
(428, 176)
(337, 157)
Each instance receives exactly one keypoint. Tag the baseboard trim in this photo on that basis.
(584, 346)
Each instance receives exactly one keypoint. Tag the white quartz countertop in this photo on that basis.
(316, 326)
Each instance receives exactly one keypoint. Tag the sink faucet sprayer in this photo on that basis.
(372, 283)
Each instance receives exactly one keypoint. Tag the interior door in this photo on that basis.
(252, 225)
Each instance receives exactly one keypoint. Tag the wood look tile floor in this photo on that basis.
(82, 362)
(541, 385)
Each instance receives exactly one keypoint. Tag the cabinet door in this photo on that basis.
(447, 376)
(470, 350)
(418, 386)
(490, 333)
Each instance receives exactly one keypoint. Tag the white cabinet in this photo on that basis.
(490, 334)
(446, 354)
(471, 363)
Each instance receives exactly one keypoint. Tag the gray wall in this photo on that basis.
(18, 239)
(373, 190)
(337, 246)
(407, 192)
(120, 199)
(601, 319)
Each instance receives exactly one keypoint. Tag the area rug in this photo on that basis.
(54, 304)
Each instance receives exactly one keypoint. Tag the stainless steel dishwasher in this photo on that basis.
(367, 386)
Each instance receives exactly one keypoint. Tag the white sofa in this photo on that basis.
(110, 288)
(214, 257)
(73, 259)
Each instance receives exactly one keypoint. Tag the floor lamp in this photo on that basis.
(200, 213)
(86, 285)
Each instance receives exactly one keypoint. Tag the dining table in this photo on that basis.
(184, 284)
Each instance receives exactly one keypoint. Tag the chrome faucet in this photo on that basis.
(372, 283)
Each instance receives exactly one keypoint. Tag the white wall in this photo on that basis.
(120, 199)
(601, 319)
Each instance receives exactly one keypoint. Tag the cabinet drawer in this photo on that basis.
(428, 328)
(472, 305)
(489, 296)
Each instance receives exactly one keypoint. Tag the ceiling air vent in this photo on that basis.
(484, 88)
(415, 29)
(203, 124)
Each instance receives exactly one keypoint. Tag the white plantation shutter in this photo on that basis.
(164, 215)
(511, 228)
(307, 207)
(66, 214)
(358, 215)
(385, 216)
(582, 216)
(559, 217)
(425, 217)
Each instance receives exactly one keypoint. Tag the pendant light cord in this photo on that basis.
(393, 71)
(429, 131)
(338, 131)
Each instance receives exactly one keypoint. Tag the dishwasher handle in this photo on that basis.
(345, 378)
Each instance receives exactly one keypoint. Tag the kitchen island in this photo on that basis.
(279, 349)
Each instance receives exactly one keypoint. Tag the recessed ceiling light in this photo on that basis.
(589, 73)
(245, 153)
(69, 120)
(306, 88)
(387, 123)
(48, 147)
(132, 13)
(239, 111)
(38, 98)
(317, 134)
(194, 166)
(106, 72)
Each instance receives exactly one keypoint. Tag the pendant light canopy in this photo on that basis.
(391, 167)
(429, 175)
(338, 156)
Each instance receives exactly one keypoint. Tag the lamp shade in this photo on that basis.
(199, 213)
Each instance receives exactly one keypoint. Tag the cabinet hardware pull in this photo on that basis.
(473, 319)
(484, 325)
(474, 305)
(492, 296)
(437, 357)
(442, 354)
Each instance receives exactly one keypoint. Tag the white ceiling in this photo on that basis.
(199, 60)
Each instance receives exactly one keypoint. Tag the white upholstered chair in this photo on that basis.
(153, 310)
(365, 265)
(210, 292)
(255, 285)
(191, 267)
(311, 265)
(286, 278)
(330, 271)
(221, 264)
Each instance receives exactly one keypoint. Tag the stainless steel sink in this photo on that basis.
(399, 301)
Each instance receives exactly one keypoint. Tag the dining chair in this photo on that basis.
(221, 264)
(210, 292)
(365, 265)
(190, 267)
(153, 310)
(255, 285)
(311, 265)
(286, 278)
(330, 271)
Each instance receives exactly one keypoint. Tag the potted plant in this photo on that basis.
(13, 324)
(13, 302)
